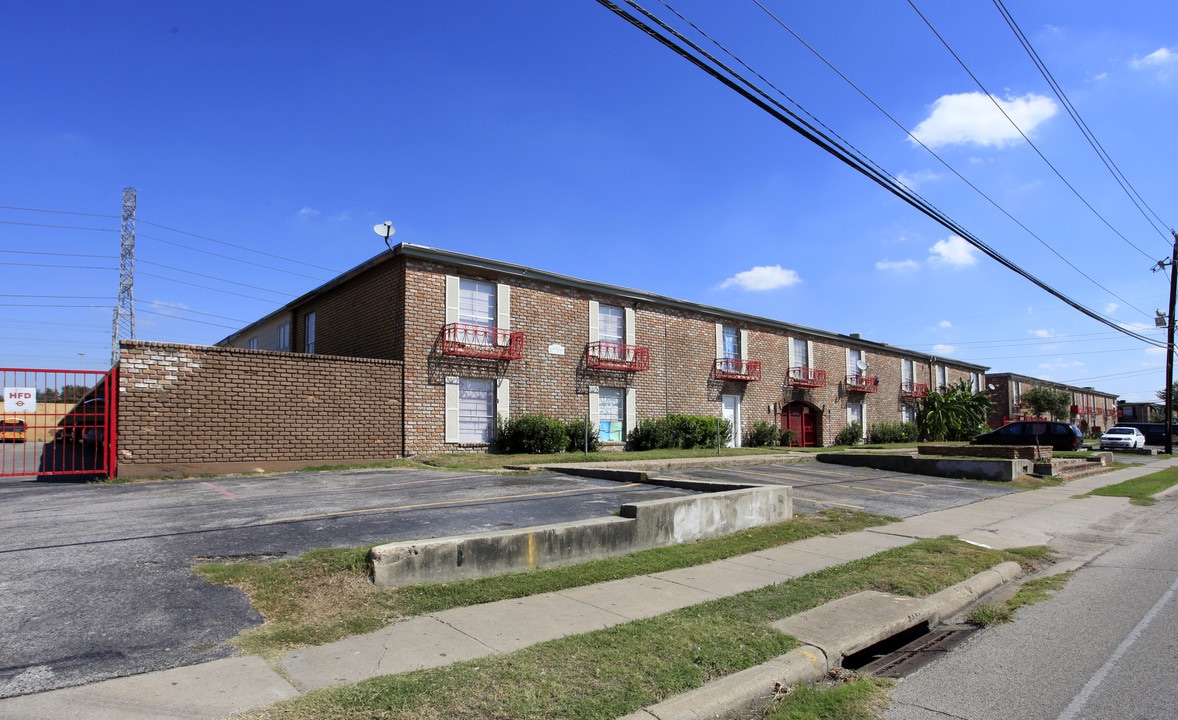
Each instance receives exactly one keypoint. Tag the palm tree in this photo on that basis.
(957, 413)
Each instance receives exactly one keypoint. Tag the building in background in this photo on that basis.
(1090, 410)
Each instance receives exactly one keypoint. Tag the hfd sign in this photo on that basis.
(20, 400)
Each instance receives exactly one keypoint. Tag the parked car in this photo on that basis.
(1057, 435)
(13, 430)
(1122, 437)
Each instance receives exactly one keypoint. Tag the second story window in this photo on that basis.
(253, 343)
(907, 372)
(309, 334)
(284, 337)
(731, 343)
(476, 302)
(942, 378)
(801, 353)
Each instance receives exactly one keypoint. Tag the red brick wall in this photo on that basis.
(682, 346)
(190, 408)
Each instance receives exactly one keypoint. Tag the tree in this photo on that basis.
(1043, 400)
(956, 413)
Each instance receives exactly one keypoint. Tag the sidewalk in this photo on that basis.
(223, 687)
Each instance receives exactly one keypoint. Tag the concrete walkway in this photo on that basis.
(220, 688)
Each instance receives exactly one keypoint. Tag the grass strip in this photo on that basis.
(325, 595)
(861, 699)
(1140, 491)
(610, 673)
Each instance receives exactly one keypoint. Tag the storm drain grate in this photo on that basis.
(917, 648)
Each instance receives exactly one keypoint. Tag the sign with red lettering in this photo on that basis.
(18, 400)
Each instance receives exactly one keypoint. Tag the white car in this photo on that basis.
(1122, 437)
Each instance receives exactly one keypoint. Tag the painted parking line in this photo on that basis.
(221, 490)
(445, 503)
(829, 502)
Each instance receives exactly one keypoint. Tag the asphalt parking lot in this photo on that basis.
(818, 486)
(95, 577)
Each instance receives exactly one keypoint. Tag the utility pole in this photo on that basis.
(1170, 349)
(124, 315)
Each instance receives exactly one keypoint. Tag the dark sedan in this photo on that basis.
(1057, 435)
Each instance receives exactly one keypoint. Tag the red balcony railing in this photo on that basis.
(911, 389)
(737, 369)
(806, 377)
(862, 383)
(604, 355)
(478, 341)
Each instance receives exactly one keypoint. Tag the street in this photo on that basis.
(1104, 648)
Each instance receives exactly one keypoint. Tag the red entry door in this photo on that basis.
(801, 419)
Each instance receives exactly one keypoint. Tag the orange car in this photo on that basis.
(12, 430)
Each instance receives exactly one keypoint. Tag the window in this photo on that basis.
(942, 378)
(611, 414)
(975, 381)
(309, 334)
(731, 343)
(253, 343)
(908, 372)
(611, 328)
(855, 415)
(476, 410)
(476, 302)
(855, 362)
(801, 353)
(908, 413)
(1018, 393)
(284, 337)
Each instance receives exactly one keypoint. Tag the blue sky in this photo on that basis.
(266, 139)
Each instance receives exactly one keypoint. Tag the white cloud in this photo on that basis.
(1061, 365)
(1162, 57)
(955, 251)
(307, 212)
(1111, 308)
(944, 324)
(914, 180)
(762, 277)
(1042, 333)
(897, 265)
(944, 349)
(973, 119)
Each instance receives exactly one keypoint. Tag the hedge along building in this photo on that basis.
(480, 338)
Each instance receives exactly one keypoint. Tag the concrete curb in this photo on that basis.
(810, 662)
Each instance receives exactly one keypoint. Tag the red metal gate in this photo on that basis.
(59, 422)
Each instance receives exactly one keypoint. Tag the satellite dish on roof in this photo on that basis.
(385, 230)
(861, 364)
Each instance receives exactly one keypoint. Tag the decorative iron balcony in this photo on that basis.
(604, 355)
(737, 369)
(911, 389)
(479, 341)
(862, 383)
(806, 377)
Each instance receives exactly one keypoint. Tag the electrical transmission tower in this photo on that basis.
(124, 316)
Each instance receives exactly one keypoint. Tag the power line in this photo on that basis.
(920, 142)
(860, 163)
(1034, 147)
(206, 287)
(1105, 158)
(240, 247)
(213, 277)
(57, 227)
(228, 257)
(60, 212)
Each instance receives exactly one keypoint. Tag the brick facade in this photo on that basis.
(190, 409)
(1091, 410)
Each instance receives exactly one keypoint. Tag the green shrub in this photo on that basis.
(762, 434)
(679, 431)
(892, 432)
(786, 438)
(575, 430)
(534, 434)
(850, 435)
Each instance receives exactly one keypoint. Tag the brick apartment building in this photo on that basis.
(480, 338)
(1091, 410)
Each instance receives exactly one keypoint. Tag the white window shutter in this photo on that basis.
(631, 333)
(594, 408)
(809, 353)
(744, 344)
(503, 305)
(631, 411)
(719, 340)
(789, 352)
(451, 410)
(451, 299)
(594, 316)
(848, 352)
(503, 398)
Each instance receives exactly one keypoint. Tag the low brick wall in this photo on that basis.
(641, 526)
(1009, 452)
(189, 409)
